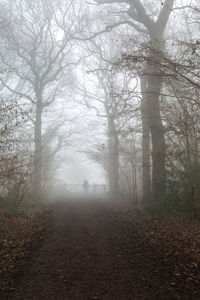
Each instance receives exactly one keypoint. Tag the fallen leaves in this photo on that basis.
(17, 236)
(177, 239)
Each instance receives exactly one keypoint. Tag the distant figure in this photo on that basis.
(85, 185)
(94, 187)
(104, 188)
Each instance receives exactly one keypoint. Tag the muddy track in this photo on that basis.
(92, 250)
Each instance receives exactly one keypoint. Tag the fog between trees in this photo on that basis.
(116, 82)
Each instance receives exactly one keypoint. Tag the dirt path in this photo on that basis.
(93, 251)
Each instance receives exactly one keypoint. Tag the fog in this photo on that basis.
(104, 91)
(99, 149)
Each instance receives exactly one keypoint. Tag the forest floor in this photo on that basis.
(101, 249)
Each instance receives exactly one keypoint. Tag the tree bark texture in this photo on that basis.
(113, 145)
(146, 169)
(38, 149)
(153, 90)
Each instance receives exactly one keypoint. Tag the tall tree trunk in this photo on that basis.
(146, 170)
(38, 149)
(155, 30)
(154, 86)
(113, 171)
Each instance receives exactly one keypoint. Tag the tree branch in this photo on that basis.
(110, 27)
(164, 15)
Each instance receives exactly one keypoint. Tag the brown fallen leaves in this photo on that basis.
(177, 239)
(17, 236)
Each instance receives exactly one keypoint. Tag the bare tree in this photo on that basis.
(39, 45)
(114, 102)
(151, 83)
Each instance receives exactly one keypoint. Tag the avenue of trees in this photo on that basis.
(133, 65)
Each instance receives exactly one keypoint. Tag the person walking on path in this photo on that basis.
(85, 185)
